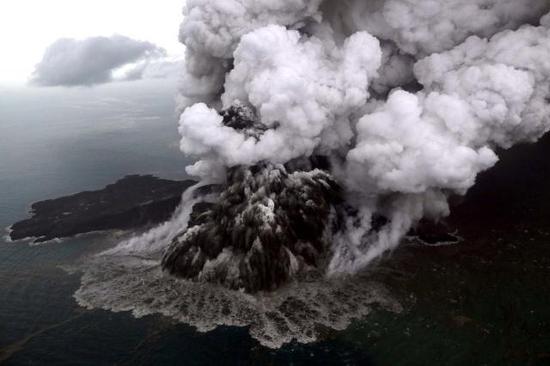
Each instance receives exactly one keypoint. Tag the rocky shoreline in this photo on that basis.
(131, 202)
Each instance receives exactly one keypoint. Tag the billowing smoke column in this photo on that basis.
(403, 101)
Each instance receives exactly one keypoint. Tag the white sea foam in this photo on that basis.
(294, 312)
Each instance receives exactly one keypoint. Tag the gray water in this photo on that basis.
(55, 142)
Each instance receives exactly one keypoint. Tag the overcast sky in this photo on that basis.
(27, 27)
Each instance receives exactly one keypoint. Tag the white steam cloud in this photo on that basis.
(410, 99)
(71, 62)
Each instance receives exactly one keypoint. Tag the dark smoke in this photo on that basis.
(269, 223)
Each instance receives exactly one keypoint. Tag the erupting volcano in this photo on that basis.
(333, 127)
(267, 224)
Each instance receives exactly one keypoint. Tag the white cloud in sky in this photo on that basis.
(28, 27)
(70, 62)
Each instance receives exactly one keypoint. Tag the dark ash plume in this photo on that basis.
(269, 223)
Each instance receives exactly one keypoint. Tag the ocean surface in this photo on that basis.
(484, 301)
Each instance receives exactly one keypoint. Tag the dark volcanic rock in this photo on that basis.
(133, 201)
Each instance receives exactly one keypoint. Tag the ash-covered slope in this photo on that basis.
(132, 201)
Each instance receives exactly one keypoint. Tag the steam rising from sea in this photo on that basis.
(408, 100)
